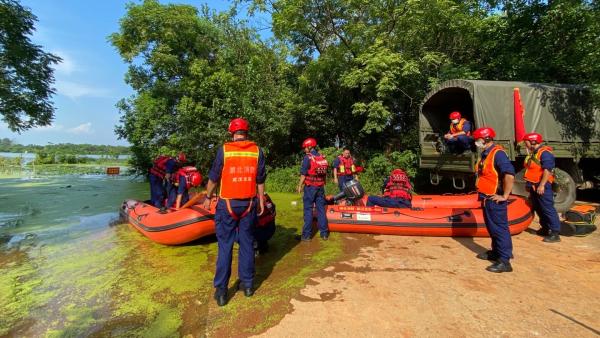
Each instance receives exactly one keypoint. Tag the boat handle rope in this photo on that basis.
(397, 213)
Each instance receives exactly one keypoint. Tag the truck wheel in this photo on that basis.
(565, 190)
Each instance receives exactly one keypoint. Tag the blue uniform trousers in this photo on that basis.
(459, 143)
(229, 231)
(496, 222)
(314, 195)
(173, 197)
(157, 191)
(342, 181)
(388, 202)
(544, 207)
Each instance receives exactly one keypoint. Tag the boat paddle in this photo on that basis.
(197, 197)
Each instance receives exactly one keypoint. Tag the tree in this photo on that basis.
(26, 73)
(193, 72)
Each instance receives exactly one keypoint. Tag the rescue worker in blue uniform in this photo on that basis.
(495, 179)
(396, 192)
(239, 169)
(160, 177)
(539, 165)
(344, 169)
(313, 172)
(184, 179)
(458, 139)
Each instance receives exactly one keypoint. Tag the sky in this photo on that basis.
(90, 79)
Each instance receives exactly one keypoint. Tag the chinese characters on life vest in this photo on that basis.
(242, 173)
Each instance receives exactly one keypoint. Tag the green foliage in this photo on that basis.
(193, 72)
(6, 145)
(283, 179)
(26, 73)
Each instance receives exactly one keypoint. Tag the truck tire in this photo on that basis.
(565, 190)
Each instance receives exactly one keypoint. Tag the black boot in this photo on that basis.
(488, 255)
(221, 298)
(543, 231)
(500, 266)
(248, 291)
(553, 237)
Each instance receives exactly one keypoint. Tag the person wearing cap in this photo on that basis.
(313, 172)
(239, 170)
(160, 176)
(539, 166)
(495, 178)
(458, 139)
(344, 169)
(396, 192)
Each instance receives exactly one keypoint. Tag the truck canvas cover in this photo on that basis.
(561, 113)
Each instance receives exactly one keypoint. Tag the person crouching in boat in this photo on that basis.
(184, 179)
(240, 170)
(396, 191)
(495, 179)
(160, 175)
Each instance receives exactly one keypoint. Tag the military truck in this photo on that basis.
(565, 115)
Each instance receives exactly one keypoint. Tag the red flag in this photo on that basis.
(519, 113)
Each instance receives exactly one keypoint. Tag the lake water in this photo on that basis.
(69, 268)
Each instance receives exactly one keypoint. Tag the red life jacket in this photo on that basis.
(398, 186)
(346, 167)
(317, 170)
(159, 166)
(185, 172)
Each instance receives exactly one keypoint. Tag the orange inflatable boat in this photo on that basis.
(431, 215)
(181, 226)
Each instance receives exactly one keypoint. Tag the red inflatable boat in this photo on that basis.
(181, 226)
(431, 215)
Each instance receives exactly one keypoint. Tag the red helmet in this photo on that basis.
(195, 179)
(238, 124)
(484, 132)
(533, 137)
(181, 157)
(455, 115)
(309, 142)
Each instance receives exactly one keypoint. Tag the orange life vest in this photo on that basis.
(533, 166)
(159, 166)
(185, 172)
(317, 171)
(487, 176)
(398, 188)
(458, 127)
(240, 166)
(346, 167)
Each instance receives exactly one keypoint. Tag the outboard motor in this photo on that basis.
(352, 191)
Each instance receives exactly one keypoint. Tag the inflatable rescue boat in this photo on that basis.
(179, 226)
(430, 215)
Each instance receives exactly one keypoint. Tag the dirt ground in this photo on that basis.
(429, 287)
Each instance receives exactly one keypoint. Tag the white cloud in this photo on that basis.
(85, 128)
(67, 66)
(76, 90)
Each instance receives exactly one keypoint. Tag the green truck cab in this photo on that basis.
(565, 115)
